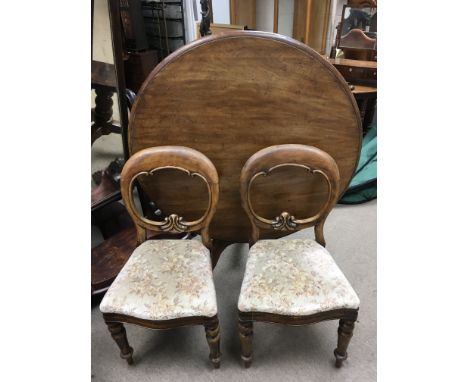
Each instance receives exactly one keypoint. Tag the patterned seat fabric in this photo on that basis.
(293, 277)
(163, 280)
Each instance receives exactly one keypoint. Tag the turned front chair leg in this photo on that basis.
(119, 335)
(213, 338)
(345, 332)
(245, 334)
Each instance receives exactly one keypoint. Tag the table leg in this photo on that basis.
(217, 248)
(369, 113)
(102, 112)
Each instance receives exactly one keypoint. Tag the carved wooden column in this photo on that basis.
(103, 82)
(102, 111)
(246, 334)
(205, 21)
(345, 333)
(213, 338)
(119, 335)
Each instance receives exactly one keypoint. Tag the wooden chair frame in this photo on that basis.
(315, 161)
(147, 162)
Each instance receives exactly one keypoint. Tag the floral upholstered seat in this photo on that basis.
(293, 282)
(294, 277)
(163, 280)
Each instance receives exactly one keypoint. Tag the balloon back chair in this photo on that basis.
(290, 281)
(166, 283)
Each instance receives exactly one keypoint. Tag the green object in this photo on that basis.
(363, 186)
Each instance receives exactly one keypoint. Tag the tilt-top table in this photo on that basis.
(229, 96)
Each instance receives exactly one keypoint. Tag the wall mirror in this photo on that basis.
(358, 28)
(109, 113)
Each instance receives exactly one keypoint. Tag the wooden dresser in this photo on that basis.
(362, 78)
(356, 72)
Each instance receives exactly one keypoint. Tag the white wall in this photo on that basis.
(102, 40)
(286, 17)
(264, 15)
(221, 12)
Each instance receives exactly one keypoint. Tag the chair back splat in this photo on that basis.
(314, 161)
(151, 160)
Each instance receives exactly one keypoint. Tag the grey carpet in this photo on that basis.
(281, 353)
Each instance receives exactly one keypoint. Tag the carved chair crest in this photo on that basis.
(314, 161)
(151, 160)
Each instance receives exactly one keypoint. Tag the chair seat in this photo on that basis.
(293, 277)
(163, 280)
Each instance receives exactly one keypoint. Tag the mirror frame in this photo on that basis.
(365, 6)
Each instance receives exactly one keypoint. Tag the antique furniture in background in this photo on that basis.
(206, 26)
(357, 31)
(106, 212)
(356, 38)
(152, 30)
(166, 283)
(221, 28)
(164, 24)
(256, 90)
(366, 98)
(134, 35)
(243, 12)
(108, 79)
(206, 18)
(137, 67)
(357, 72)
(139, 57)
(311, 22)
(104, 84)
(362, 77)
(304, 20)
(293, 282)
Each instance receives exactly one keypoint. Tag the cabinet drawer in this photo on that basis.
(358, 75)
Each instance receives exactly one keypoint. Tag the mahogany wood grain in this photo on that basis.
(345, 333)
(115, 324)
(119, 335)
(231, 95)
(363, 77)
(361, 90)
(346, 317)
(146, 165)
(109, 257)
(357, 72)
(313, 162)
(353, 63)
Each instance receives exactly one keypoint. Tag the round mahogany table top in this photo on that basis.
(230, 95)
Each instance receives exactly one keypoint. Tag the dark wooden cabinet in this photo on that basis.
(357, 71)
